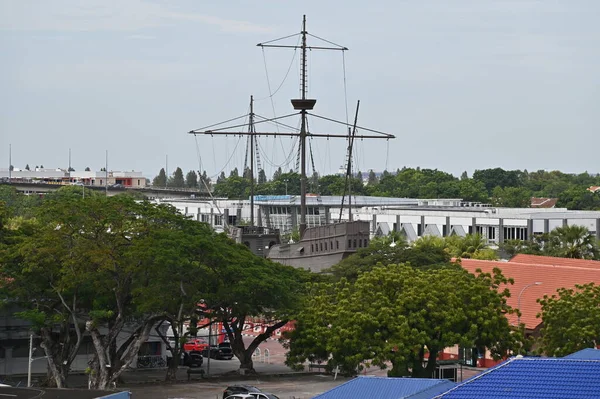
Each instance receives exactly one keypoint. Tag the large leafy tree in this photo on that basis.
(81, 271)
(404, 316)
(571, 320)
(243, 285)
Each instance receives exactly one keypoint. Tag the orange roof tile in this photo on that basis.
(543, 202)
(553, 261)
(552, 278)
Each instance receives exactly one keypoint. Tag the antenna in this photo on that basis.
(303, 105)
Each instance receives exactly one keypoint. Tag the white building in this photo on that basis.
(131, 179)
(415, 217)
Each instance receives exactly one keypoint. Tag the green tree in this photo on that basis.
(191, 179)
(87, 169)
(402, 315)
(572, 242)
(571, 320)
(242, 286)
(470, 246)
(372, 178)
(234, 173)
(277, 173)
(27, 167)
(80, 271)
(161, 179)
(393, 249)
(262, 177)
(177, 179)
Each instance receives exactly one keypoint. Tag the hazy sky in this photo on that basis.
(463, 84)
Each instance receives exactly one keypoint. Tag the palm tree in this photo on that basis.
(572, 242)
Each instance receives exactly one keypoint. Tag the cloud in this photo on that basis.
(105, 15)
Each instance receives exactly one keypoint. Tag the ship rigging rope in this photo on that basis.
(204, 182)
(220, 123)
(286, 162)
(228, 161)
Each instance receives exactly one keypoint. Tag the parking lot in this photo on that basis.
(300, 386)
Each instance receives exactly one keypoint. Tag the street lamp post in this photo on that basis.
(519, 300)
(31, 359)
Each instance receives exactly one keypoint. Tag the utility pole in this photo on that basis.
(251, 132)
(303, 105)
(166, 170)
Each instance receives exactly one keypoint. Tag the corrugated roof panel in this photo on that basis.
(533, 378)
(585, 354)
(381, 388)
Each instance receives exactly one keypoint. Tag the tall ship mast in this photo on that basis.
(303, 253)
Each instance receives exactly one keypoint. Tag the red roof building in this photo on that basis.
(554, 261)
(556, 273)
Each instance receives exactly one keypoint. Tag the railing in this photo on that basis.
(151, 362)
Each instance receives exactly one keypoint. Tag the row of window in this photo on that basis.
(287, 210)
(352, 243)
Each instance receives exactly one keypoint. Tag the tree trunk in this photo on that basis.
(105, 370)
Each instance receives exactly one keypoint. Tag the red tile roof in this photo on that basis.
(552, 278)
(543, 202)
(553, 261)
(594, 189)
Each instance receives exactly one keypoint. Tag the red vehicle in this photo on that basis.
(196, 345)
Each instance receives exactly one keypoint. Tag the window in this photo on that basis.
(312, 248)
(366, 243)
(360, 243)
(331, 244)
(218, 220)
(337, 244)
(355, 243)
(325, 245)
(321, 246)
(205, 218)
(349, 243)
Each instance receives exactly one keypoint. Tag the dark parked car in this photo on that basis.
(222, 351)
(235, 389)
(192, 359)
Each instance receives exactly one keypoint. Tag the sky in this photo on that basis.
(462, 84)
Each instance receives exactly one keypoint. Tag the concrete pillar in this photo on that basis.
(294, 217)
(327, 215)
(529, 229)
(500, 231)
(546, 226)
(238, 216)
(448, 226)
(398, 226)
(8, 360)
(474, 225)
(259, 217)
(565, 222)
(374, 228)
(598, 228)
(422, 225)
(225, 220)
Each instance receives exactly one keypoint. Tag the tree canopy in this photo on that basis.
(571, 320)
(496, 186)
(402, 315)
(107, 267)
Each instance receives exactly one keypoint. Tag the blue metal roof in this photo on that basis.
(384, 388)
(587, 354)
(533, 378)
